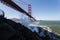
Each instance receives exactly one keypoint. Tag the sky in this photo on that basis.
(41, 9)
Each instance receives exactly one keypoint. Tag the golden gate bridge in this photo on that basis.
(10, 3)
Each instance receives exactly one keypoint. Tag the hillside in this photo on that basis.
(10, 30)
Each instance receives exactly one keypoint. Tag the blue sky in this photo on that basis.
(41, 9)
(46, 9)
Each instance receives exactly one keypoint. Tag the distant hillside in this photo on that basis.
(15, 19)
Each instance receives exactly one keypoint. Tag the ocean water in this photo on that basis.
(49, 23)
(54, 25)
